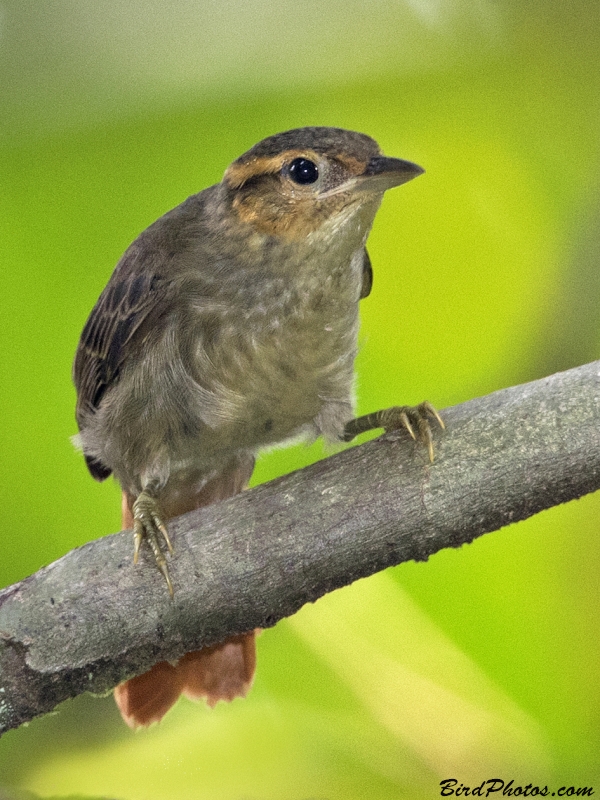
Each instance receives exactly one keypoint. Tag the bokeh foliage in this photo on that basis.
(482, 662)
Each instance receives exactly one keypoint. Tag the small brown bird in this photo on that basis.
(229, 324)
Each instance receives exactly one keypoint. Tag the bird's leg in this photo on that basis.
(414, 419)
(148, 524)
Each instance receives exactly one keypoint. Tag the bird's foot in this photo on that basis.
(414, 419)
(147, 524)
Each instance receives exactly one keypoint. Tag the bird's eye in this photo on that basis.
(303, 171)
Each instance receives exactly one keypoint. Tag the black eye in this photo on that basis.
(303, 171)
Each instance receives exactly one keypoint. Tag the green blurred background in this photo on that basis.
(483, 662)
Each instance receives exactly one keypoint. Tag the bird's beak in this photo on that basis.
(380, 174)
(383, 173)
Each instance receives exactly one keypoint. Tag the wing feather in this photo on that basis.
(367, 280)
(134, 291)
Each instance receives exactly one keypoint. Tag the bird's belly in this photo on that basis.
(283, 402)
(261, 391)
(277, 387)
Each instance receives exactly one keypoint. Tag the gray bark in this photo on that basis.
(92, 619)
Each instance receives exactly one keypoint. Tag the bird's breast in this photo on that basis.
(279, 356)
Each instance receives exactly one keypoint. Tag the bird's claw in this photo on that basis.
(414, 419)
(147, 524)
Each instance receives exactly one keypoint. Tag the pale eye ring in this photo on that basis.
(303, 171)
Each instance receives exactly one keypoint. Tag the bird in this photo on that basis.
(230, 325)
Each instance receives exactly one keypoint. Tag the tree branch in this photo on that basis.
(91, 619)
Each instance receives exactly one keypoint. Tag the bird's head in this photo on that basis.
(307, 180)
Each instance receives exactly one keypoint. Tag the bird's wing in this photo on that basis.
(134, 291)
(367, 277)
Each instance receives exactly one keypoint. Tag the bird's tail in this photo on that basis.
(220, 672)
